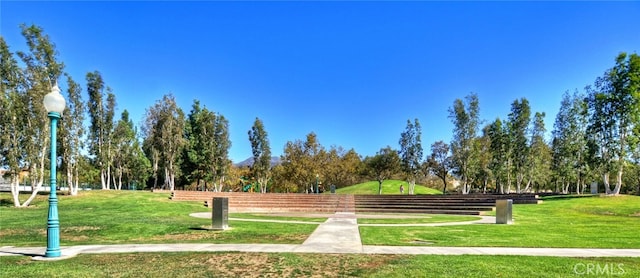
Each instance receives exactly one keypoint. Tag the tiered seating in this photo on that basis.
(472, 204)
(273, 202)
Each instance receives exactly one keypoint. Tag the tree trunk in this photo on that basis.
(508, 182)
(616, 191)
(380, 187)
(484, 185)
(109, 178)
(70, 181)
(412, 185)
(444, 183)
(605, 180)
(528, 187)
(120, 180)
(77, 182)
(102, 179)
(15, 188)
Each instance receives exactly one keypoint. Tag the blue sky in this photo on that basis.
(352, 72)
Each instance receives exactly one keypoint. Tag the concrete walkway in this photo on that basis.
(339, 234)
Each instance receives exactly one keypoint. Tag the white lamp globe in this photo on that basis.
(53, 101)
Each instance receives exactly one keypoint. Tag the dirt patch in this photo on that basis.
(273, 265)
(13, 232)
(78, 229)
(637, 214)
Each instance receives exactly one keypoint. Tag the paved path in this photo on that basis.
(339, 234)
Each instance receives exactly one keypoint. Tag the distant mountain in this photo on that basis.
(275, 160)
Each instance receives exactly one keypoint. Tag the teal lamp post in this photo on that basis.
(54, 103)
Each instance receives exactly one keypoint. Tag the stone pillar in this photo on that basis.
(503, 211)
(594, 188)
(220, 213)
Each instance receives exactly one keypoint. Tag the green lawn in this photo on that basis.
(316, 265)
(388, 187)
(112, 217)
(419, 219)
(598, 222)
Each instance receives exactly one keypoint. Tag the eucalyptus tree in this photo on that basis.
(540, 159)
(411, 152)
(39, 75)
(199, 149)
(482, 167)
(221, 161)
(465, 116)
(261, 150)
(72, 131)
(439, 162)
(614, 110)
(124, 149)
(139, 165)
(569, 146)
(163, 127)
(382, 166)
(101, 114)
(518, 126)
(11, 126)
(500, 163)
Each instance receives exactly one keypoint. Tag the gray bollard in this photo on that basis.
(220, 214)
(503, 211)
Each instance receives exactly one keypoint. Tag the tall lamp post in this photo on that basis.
(54, 103)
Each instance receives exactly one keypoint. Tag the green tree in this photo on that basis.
(72, 132)
(343, 167)
(221, 161)
(163, 128)
(126, 147)
(41, 73)
(101, 114)
(569, 148)
(518, 125)
(411, 152)
(200, 148)
(382, 166)
(439, 162)
(540, 158)
(301, 164)
(261, 150)
(466, 118)
(482, 167)
(614, 109)
(11, 127)
(500, 163)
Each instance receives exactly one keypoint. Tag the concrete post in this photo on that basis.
(220, 214)
(503, 211)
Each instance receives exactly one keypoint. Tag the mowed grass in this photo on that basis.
(114, 217)
(597, 222)
(228, 264)
(418, 219)
(388, 187)
(109, 217)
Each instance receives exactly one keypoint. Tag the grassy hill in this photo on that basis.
(388, 187)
